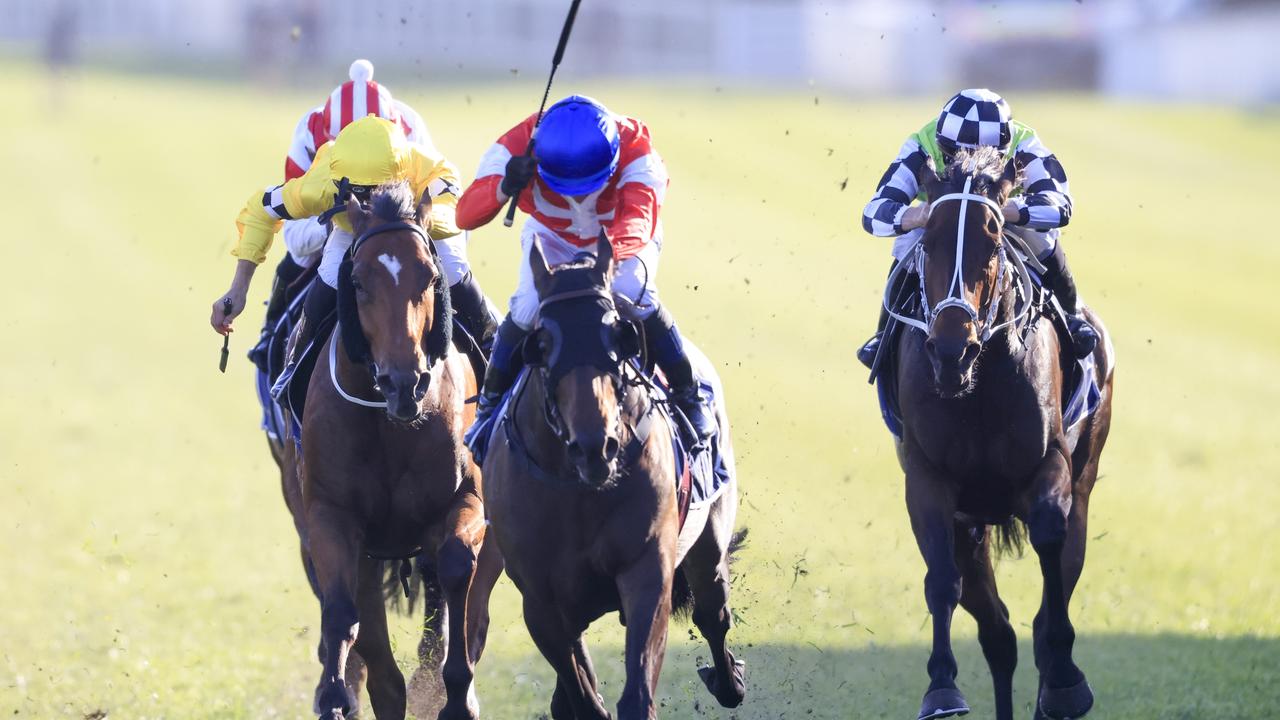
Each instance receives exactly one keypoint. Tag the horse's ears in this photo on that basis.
(1008, 180)
(604, 258)
(927, 178)
(424, 211)
(357, 215)
(538, 264)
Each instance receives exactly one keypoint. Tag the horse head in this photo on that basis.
(963, 263)
(580, 344)
(392, 302)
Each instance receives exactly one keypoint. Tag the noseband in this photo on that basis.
(1008, 264)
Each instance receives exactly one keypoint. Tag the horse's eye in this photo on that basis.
(359, 288)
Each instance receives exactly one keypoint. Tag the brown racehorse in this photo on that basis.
(981, 396)
(383, 471)
(579, 483)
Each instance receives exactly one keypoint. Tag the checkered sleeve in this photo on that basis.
(883, 215)
(1046, 200)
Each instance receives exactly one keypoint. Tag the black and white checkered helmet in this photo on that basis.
(974, 118)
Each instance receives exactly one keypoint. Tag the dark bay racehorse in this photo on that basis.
(981, 395)
(580, 487)
(383, 472)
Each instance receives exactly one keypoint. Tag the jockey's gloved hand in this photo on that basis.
(520, 170)
(1011, 212)
(916, 216)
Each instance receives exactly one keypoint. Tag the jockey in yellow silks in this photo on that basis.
(367, 153)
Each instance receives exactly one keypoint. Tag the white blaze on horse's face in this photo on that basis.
(392, 264)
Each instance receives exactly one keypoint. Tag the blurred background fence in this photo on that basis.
(1200, 50)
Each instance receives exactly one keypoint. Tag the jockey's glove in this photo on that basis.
(520, 170)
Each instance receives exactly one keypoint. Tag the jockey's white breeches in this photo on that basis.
(1039, 242)
(634, 279)
(452, 252)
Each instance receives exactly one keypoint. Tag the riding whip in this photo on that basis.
(226, 339)
(555, 63)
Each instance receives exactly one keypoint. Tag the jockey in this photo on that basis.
(367, 153)
(305, 238)
(593, 171)
(1035, 213)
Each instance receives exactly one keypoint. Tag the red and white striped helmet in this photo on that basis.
(358, 97)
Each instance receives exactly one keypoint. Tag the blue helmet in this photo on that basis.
(577, 146)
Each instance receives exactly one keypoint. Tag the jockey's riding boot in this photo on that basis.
(667, 348)
(867, 353)
(504, 366)
(1058, 278)
(286, 272)
(319, 304)
(474, 310)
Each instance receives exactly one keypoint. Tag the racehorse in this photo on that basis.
(383, 472)
(983, 444)
(579, 482)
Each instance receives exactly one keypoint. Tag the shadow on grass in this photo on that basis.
(1134, 676)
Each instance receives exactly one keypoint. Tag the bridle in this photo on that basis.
(638, 430)
(550, 409)
(349, 334)
(1008, 264)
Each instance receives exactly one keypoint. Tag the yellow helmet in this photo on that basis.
(369, 151)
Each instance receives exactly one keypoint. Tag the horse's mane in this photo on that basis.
(984, 164)
(393, 200)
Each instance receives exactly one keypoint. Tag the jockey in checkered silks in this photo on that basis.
(1035, 212)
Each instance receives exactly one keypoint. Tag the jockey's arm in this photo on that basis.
(1046, 201)
(885, 214)
(434, 177)
(484, 198)
(642, 186)
(263, 214)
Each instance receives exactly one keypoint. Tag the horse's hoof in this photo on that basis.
(334, 701)
(943, 702)
(732, 694)
(1066, 703)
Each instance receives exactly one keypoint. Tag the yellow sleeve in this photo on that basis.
(430, 173)
(264, 213)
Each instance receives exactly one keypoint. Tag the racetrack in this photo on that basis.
(152, 568)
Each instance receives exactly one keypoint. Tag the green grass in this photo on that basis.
(150, 566)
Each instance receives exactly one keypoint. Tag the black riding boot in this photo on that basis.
(504, 366)
(286, 273)
(1058, 278)
(867, 353)
(667, 348)
(474, 310)
(319, 304)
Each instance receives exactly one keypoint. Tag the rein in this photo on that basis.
(1008, 265)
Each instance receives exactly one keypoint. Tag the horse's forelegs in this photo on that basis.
(386, 682)
(335, 548)
(707, 569)
(932, 506)
(575, 695)
(488, 570)
(645, 591)
(456, 568)
(1058, 523)
(980, 597)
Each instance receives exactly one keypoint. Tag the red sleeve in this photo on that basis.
(479, 203)
(642, 185)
